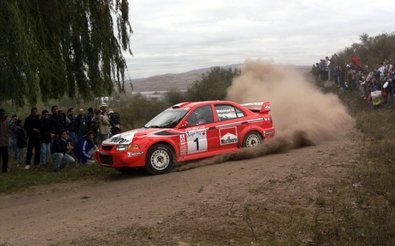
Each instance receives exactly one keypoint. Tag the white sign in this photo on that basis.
(197, 140)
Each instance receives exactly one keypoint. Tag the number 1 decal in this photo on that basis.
(197, 140)
(197, 144)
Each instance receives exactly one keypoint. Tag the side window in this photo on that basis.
(226, 112)
(239, 113)
(200, 116)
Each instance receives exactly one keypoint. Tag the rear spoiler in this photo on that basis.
(258, 107)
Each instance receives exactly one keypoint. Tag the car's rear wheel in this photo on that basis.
(160, 159)
(252, 139)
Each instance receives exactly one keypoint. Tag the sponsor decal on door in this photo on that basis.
(228, 135)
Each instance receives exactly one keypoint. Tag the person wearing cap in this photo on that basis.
(104, 126)
(86, 148)
(4, 139)
(115, 121)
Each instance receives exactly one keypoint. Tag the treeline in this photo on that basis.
(371, 50)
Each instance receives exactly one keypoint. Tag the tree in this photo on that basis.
(49, 48)
(213, 85)
(174, 96)
(371, 50)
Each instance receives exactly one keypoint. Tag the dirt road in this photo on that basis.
(209, 205)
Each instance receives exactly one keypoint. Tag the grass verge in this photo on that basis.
(18, 179)
(362, 212)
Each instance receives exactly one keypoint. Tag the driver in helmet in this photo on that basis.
(196, 119)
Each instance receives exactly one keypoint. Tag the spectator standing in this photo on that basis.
(101, 123)
(58, 119)
(327, 68)
(89, 116)
(32, 126)
(393, 83)
(95, 122)
(342, 75)
(61, 150)
(21, 142)
(335, 74)
(47, 133)
(323, 70)
(81, 123)
(12, 149)
(71, 126)
(104, 127)
(115, 120)
(86, 148)
(4, 139)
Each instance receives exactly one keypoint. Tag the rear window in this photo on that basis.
(228, 112)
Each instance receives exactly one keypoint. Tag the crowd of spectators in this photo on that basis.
(57, 137)
(375, 85)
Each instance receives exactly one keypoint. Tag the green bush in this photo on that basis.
(213, 85)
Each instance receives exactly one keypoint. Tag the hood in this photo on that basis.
(127, 137)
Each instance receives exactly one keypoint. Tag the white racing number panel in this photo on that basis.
(196, 140)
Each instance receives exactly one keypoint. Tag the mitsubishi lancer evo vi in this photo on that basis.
(188, 131)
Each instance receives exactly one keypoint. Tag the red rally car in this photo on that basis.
(188, 131)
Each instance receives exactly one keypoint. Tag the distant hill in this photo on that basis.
(179, 81)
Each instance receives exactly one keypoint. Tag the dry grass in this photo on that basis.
(362, 212)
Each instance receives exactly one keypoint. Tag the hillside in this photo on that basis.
(180, 81)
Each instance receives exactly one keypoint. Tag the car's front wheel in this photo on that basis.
(160, 159)
(252, 139)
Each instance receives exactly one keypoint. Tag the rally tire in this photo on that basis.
(252, 139)
(160, 159)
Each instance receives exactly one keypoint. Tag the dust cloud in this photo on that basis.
(302, 114)
(297, 105)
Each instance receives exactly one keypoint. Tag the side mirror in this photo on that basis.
(184, 124)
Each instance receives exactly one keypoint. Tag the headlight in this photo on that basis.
(123, 147)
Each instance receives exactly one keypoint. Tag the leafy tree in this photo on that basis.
(371, 50)
(174, 96)
(137, 110)
(49, 48)
(213, 85)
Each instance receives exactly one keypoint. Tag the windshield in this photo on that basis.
(167, 119)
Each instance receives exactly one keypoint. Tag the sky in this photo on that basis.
(173, 36)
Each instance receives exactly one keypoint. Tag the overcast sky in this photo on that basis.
(172, 36)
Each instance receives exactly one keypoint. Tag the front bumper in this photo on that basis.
(109, 157)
